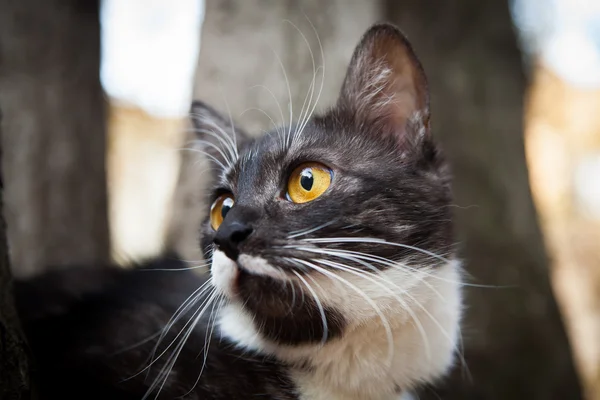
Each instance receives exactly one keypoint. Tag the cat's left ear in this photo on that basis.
(217, 136)
(385, 87)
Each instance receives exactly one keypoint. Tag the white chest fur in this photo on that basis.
(422, 316)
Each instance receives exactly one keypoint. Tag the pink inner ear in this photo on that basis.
(385, 84)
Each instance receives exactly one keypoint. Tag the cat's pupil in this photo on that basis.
(306, 180)
(227, 204)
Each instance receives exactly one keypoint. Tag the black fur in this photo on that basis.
(83, 325)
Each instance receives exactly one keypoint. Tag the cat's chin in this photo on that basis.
(280, 309)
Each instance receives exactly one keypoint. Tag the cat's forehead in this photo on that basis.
(265, 157)
(325, 139)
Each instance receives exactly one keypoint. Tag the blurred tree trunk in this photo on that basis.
(562, 141)
(515, 344)
(14, 358)
(243, 42)
(53, 133)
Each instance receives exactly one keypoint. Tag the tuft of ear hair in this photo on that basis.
(217, 136)
(385, 87)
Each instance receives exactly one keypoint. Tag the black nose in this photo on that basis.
(230, 236)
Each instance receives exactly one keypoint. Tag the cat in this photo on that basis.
(331, 251)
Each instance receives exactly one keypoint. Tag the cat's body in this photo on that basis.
(91, 341)
(331, 257)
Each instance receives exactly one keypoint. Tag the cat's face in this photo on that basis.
(317, 227)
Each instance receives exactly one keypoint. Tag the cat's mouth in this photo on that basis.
(226, 274)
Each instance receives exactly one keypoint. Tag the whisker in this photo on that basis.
(293, 294)
(230, 119)
(210, 156)
(372, 278)
(311, 88)
(276, 102)
(319, 305)
(275, 126)
(303, 112)
(218, 149)
(440, 327)
(226, 144)
(359, 272)
(359, 258)
(137, 344)
(287, 82)
(302, 232)
(322, 77)
(219, 134)
(166, 370)
(181, 310)
(175, 269)
(376, 241)
(399, 265)
(384, 320)
(207, 338)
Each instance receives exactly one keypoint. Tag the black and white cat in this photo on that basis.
(332, 272)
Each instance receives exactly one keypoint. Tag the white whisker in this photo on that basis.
(319, 305)
(232, 125)
(372, 278)
(301, 129)
(219, 134)
(279, 131)
(287, 82)
(210, 156)
(376, 241)
(226, 144)
(191, 300)
(166, 370)
(360, 257)
(207, 338)
(305, 114)
(174, 269)
(302, 232)
(275, 126)
(384, 320)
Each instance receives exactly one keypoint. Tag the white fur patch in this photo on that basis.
(259, 266)
(422, 308)
(224, 272)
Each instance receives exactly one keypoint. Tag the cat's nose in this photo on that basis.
(230, 236)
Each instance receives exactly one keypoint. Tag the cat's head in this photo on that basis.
(340, 219)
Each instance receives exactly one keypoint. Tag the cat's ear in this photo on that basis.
(385, 87)
(216, 135)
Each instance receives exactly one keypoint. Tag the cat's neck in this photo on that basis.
(357, 366)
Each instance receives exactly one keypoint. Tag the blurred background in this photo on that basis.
(94, 97)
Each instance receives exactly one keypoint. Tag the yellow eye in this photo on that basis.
(219, 209)
(308, 182)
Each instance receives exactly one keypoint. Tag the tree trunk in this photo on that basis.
(243, 42)
(15, 376)
(515, 344)
(54, 133)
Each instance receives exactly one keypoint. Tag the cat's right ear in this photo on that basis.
(385, 87)
(216, 136)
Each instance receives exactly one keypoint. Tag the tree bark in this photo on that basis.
(53, 133)
(515, 344)
(15, 378)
